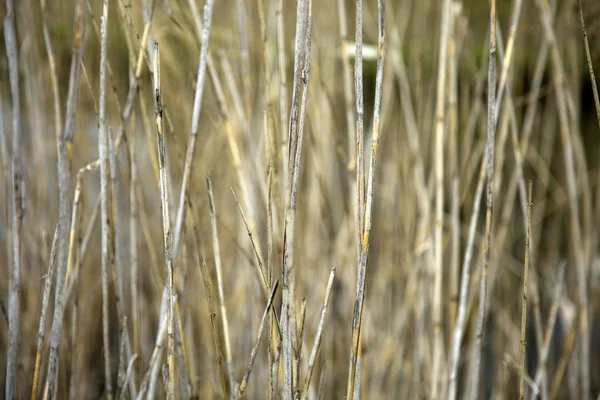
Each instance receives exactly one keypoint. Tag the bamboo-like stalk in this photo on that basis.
(244, 382)
(42, 325)
(357, 318)
(166, 223)
(106, 216)
(317, 343)
(191, 149)
(221, 292)
(440, 123)
(65, 143)
(296, 135)
(491, 135)
(524, 302)
(17, 203)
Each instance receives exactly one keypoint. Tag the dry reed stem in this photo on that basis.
(218, 268)
(317, 343)
(459, 326)
(128, 375)
(244, 382)
(296, 135)
(360, 188)
(64, 144)
(42, 324)
(105, 195)
(452, 104)
(166, 223)
(491, 134)
(440, 123)
(17, 204)
(353, 388)
(215, 331)
(191, 149)
(298, 349)
(524, 302)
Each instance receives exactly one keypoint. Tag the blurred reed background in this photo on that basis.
(255, 138)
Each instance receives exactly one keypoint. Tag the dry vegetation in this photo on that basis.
(254, 198)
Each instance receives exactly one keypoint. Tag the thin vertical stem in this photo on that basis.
(491, 135)
(17, 203)
(65, 147)
(357, 319)
(221, 292)
(42, 325)
(524, 303)
(189, 156)
(440, 122)
(166, 223)
(464, 286)
(317, 343)
(296, 134)
(254, 351)
(104, 190)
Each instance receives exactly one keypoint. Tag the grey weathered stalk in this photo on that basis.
(491, 135)
(357, 318)
(106, 217)
(65, 143)
(17, 204)
(166, 222)
(295, 135)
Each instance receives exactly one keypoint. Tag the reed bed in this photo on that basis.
(312, 200)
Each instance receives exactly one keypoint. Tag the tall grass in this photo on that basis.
(339, 272)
